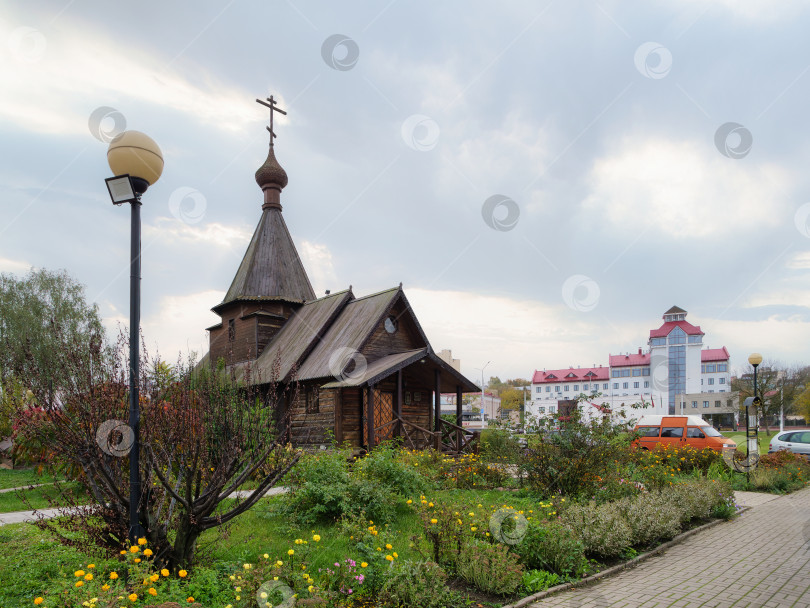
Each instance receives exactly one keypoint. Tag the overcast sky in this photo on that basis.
(544, 178)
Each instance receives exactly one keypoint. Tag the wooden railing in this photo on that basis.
(454, 439)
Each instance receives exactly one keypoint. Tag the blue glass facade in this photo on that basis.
(677, 365)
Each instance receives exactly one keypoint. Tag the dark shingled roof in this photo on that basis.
(350, 330)
(271, 268)
(299, 335)
(674, 310)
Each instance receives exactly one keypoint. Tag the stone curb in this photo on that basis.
(36, 485)
(590, 580)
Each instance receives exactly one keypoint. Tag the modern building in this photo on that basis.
(675, 369)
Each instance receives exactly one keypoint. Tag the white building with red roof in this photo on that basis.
(673, 376)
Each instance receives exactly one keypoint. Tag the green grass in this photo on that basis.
(18, 478)
(37, 498)
(739, 437)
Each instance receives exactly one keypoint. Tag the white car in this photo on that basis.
(797, 442)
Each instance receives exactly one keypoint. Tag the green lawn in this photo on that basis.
(36, 498)
(764, 439)
(18, 478)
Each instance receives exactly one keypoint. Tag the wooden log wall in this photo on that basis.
(311, 429)
(255, 325)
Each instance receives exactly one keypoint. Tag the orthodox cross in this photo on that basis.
(273, 108)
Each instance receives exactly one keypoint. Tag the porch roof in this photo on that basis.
(449, 378)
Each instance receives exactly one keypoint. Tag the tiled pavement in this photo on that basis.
(759, 560)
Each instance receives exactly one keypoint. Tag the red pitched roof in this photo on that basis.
(688, 328)
(714, 354)
(580, 374)
(628, 360)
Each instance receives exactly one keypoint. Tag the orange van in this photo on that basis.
(656, 430)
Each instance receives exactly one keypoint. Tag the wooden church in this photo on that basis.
(363, 366)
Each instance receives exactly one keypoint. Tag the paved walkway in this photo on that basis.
(18, 517)
(759, 560)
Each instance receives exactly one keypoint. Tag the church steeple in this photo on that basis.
(271, 269)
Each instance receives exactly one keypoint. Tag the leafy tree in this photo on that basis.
(777, 385)
(41, 314)
(511, 399)
(203, 436)
(802, 403)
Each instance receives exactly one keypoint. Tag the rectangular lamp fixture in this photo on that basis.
(121, 190)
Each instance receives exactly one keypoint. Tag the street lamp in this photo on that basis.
(751, 435)
(137, 162)
(482, 392)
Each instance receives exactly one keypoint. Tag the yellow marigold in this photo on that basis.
(147, 552)
(78, 573)
(246, 566)
(364, 565)
(133, 597)
(152, 591)
(190, 599)
(266, 556)
(38, 601)
(79, 583)
(104, 587)
(91, 566)
(137, 560)
(164, 572)
(291, 552)
(390, 558)
(395, 554)
(155, 577)
(88, 577)
(409, 501)
(434, 521)
(310, 588)
(279, 563)
(317, 538)
(141, 541)
(388, 547)
(134, 549)
(182, 574)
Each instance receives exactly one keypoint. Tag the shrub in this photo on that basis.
(490, 568)
(382, 468)
(603, 530)
(499, 445)
(698, 498)
(535, 581)
(575, 460)
(412, 583)
(550, 546)
(651, 517)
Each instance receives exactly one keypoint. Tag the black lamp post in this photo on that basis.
(751, 435)
(138, 163)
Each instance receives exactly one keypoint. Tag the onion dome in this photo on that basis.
(271, 177)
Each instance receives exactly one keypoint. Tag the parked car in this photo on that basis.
(657, 430)
(797, 441)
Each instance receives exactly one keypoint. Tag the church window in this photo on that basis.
(231, 330)
(312, 400)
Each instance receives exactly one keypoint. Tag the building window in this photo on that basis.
(722, 367)
(694, 404)
(646, 384)
(231, 330)
(584, 387)
(695, 339)
(616, 386)
(710, 367)
(624, 384)
(576, 387)
(677, 336)
(637, 371)
(645, 371)
(605, 386)
(721, 381)
(542, 409)
(614, 373)
(548, 389)
(658, 342)
(625, 373)
(635, 384)
(567, 387)
(711, 381)
(722, 390)
(312, 396)
(557, 389)
(551, 409)
(716, 404)
(705, 404)
(701, 381)
(538, 389)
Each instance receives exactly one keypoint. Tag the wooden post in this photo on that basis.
(458, 417)
(437, 399)
(398, 403)
(338, 407)
(370, 416)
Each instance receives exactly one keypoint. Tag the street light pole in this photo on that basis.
(137, 163)
(751, 435)
(482, 391)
